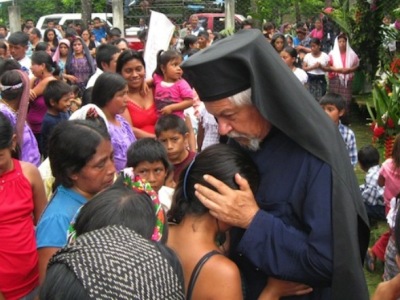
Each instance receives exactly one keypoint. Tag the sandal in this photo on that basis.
(370, 260)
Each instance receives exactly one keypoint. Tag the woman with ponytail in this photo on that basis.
(14, 105)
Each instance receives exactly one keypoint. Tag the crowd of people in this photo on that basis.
(191, 184)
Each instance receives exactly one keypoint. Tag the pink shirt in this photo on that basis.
(392, 180)
(169, 93)
(319, 34)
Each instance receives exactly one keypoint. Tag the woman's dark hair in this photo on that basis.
(220, 161)
(293, 53)
(46, 39)
(106, 86)
(11, 78)
(187, 42)
(277, 36)
(163, 58)
(42, 57)
(87, 96)
(61, 283)
(342, 35)
(118, 205)
(6, 132)
(117, 41)
(147, 149)
(71, 145)
(126, 56)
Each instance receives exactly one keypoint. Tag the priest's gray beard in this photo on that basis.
(246, 141)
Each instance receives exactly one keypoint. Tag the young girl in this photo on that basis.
(42, 69)
(76, 103)
(110, 95)
(172, 93)
(14, 105)
(80, 64)
(315, 64)
(22, 200)
(278, 41)
(389, 178)
(289, 56)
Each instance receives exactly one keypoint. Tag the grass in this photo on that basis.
(360, 124)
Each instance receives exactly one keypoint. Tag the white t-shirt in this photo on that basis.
(301, 75)
(310, 60)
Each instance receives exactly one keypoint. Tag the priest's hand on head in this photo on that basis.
(234, 207)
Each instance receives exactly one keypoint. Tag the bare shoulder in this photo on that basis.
(30, 171)
(219, 277)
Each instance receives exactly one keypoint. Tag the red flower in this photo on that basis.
(378, 131)
(395, 66)
(390, 123)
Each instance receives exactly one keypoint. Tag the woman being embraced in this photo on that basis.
(198, 237)
(141, 110)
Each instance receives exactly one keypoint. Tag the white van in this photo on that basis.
(64, 19)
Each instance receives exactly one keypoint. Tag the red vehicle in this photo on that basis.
(216, 21)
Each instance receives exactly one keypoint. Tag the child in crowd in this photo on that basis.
(289, 56)
(18, 43)
(172, 93)
(372, 193)
(173, 133)
(149, 159)
(389, 177)
(335, 106)
(57, 96)
(76, 102)
(391, 289)
(22, 203)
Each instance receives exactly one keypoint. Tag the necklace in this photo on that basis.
(8, 105)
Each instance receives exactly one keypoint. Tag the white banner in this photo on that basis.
(158, 38)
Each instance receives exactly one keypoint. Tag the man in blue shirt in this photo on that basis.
(307, 222)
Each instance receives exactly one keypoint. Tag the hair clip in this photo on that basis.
(11, 87)
(140, 185)
(185, 179)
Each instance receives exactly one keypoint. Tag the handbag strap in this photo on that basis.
(196, 272)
